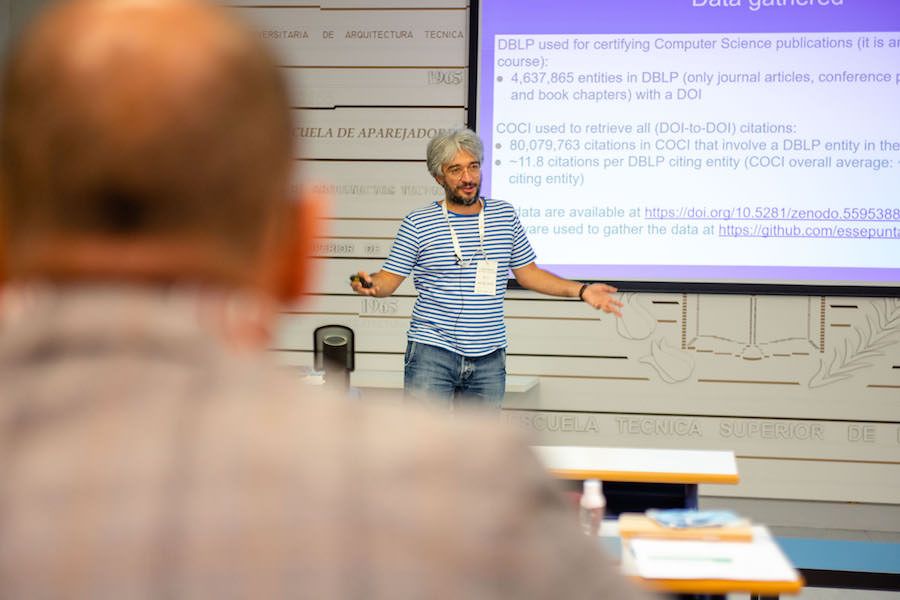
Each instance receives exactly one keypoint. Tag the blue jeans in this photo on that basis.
(440, 376)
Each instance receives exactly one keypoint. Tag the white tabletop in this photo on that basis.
(758, 567)
(640, 464)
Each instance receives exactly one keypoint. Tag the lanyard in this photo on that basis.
(457, 249)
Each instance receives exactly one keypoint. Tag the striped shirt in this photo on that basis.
(448, 313)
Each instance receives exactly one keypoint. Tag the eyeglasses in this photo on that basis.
(456, 171)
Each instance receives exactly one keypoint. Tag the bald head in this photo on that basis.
(142, 120)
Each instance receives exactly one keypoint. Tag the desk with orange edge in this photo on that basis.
(635, 479)
(757, 588)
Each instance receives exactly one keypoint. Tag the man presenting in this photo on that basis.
(149, 447)
(459, 250)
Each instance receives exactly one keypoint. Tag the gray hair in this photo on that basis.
(444, 146)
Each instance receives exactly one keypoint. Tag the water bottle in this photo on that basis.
(592, 507)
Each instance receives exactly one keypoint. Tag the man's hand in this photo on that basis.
(380, 284)
(362, 284)
(600, 296)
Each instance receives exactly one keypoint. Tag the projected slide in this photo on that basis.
(698, 140)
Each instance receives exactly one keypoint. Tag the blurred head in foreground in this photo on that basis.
(145, 152)
(148, 141)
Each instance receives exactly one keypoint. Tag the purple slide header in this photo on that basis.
(687, 16)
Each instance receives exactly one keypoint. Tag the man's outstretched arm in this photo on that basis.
(598, 295)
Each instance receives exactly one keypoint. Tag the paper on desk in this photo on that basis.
(760, 560)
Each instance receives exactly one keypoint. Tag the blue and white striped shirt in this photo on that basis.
(448, 313)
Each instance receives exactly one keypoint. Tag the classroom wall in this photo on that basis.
(806, 390)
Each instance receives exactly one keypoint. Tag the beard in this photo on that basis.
(454, 198)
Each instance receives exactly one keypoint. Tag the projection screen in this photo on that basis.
(718, 144)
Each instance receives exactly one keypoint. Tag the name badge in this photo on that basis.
(486, 278)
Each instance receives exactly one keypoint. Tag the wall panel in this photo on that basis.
(371, 189)
(364, 35)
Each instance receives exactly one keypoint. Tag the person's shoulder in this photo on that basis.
(430, 210)
(499, 206)
(424, 219)
(390, 429)
(431, 438)
(436, 488)
(442, 434)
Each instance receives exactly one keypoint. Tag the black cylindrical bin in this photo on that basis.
(333, 351)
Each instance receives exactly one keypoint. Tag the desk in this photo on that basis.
(761, 587)
(635, 479)
(393, 380)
